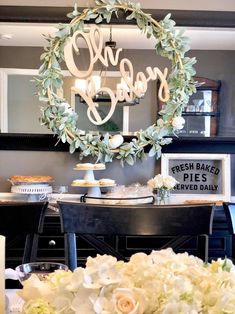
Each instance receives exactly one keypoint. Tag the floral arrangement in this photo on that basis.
(161, 282)
(162, 182)
(57, 114)
(161, 186)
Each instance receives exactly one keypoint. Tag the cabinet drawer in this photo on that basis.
(51, 241)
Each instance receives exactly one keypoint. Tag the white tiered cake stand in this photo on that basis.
(93, 186)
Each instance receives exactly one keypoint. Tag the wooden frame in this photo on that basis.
(209, 110)
(200, 176)
(211, 116)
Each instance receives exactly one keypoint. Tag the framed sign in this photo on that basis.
(199, 176)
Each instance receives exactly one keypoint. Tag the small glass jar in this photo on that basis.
(162, 196)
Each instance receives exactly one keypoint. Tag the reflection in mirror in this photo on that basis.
(22, 106)
(215, 64)
(19, 104)
(119, 122)
(114, 124)
(203, 110)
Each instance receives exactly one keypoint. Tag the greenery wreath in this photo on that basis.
(58, 116)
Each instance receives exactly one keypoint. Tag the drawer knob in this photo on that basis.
(52, 243)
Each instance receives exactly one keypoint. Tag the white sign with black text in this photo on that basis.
(199, 176)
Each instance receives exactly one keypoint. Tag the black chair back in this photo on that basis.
(85, 218)
(89, 220)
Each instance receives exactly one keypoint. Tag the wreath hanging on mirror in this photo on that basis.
(59, 117)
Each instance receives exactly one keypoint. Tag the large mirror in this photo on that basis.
(214, 49)
(19, 105)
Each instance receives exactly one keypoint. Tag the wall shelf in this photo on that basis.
(47, 142)
(201, 114)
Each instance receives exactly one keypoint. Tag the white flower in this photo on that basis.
(128, 301)
(156, 182)
(116, 141)
(100, 272)
(178, 123)
(169, 182)
(160, 182)
(35, 289)
(82, 301)
(37, 307)
(102, 306)
(162, 282)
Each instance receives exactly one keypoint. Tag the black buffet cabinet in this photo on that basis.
(51, 243)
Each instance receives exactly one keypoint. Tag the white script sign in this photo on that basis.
(137, 84)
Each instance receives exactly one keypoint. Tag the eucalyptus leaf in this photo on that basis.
(152, 152)
(98, 19)
(129, 159)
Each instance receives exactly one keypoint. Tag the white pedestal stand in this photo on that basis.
(93, 189)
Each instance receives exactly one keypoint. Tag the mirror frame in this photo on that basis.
(47, 142)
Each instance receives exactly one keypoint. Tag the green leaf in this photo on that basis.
(72, 148)
(131, 16)
(152, 152)
(129, 159)
(98, 19)
(64, 138)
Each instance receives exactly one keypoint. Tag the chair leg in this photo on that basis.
(233, 247)
(70, 250)
(203, 247)
(30, 248)
(34, 249)
(27, 249)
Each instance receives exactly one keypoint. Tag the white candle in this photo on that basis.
(2, 274)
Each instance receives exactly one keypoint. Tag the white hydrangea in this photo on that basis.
(162, 282)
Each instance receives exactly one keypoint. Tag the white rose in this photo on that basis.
(115, 141)
(178, 123)
(128, 301)
(169, 182)
(150, 183)
(156, 182)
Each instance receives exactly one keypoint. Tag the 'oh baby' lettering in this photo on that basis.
(110, 57)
